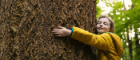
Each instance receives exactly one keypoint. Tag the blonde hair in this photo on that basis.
(111, 21)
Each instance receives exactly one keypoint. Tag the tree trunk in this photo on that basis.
(130, 48)
(129, 44)
(137, 46)
(26, 25)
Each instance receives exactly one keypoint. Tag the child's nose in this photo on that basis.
(101, 24)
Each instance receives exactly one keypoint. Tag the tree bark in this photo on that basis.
(26, 25)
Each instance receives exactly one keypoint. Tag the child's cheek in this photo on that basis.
(97, 26)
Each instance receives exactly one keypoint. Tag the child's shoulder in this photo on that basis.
(112, 34)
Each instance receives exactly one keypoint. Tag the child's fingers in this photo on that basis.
(60, 27)
(55, 30)
(58, 35)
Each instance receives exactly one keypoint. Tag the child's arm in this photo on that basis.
(62, 31)
(99, 41)
(102, 42)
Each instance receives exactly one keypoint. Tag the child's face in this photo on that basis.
(103, 25)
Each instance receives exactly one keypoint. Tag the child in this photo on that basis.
(109, 45)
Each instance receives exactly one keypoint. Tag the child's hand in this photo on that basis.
(61, 32)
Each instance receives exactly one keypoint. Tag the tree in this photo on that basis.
(125, 21)
(26, 25)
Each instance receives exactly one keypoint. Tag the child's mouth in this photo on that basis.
(100, 28)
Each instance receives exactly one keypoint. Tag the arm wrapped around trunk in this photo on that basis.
(99, 41)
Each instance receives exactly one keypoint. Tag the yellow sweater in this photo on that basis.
(109, 45)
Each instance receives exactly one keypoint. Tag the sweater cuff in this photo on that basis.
(71, 31)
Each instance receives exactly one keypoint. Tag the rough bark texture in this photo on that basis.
(26, 25)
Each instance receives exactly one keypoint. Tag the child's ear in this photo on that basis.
(111, 30)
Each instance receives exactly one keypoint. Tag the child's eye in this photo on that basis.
(99, 22)
(105, 23)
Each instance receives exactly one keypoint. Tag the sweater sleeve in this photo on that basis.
(98, 41)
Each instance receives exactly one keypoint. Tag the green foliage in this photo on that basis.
(125, 20)
(97, 1)
(135, 2)
(98, 9)
(137, 56)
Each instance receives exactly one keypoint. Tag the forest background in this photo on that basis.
(127, 25)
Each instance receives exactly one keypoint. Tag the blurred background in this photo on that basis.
(125, 14)
(23, 32)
